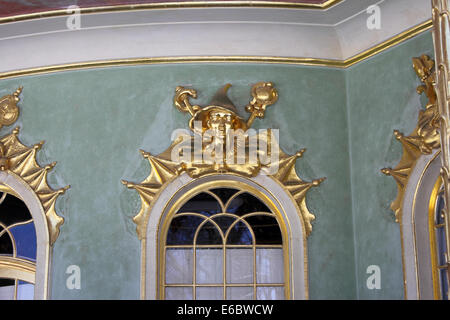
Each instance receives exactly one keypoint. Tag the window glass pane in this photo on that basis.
(240, 293)
(224, 193)
(25, 236)
(178, 293)
(266, 229)
(269, 265)
(209, 234)
(239, 234)
(13, 210)
(209, 293)
(444, 285)
(25, 291)
(441, 244)
(6, 246)
(439, 207)
(202, 203)
(270, 293)
(179, 266)
(6, 289)
(207, 241)
(224, 222)
(209, 266)
(246, 203)
(182, 229)
(239, 265)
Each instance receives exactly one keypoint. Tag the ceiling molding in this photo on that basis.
(336, 37)
(227, 59)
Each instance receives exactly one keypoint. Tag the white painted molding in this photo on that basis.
(415, 229)
(43, 252)
(298, 275)
(337, 33)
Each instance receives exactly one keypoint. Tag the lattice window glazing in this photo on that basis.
(17, 249)
(224, 243)
(439, 245)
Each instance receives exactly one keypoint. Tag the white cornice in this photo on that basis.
(337, 33)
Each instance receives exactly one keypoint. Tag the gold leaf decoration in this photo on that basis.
(21, 160)
(164, 170)
(424, 138)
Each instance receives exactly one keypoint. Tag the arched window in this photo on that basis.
(200, 231)
(423, 232)
(222, 243)
(438, 245)
(17, 248)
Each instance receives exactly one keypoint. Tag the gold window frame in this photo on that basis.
(436, 267)
(221, 183)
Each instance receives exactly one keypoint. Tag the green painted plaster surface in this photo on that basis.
(95, 121)
(382, 96)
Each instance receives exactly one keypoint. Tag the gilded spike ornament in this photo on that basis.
(21, 160)
(424, 138)
(231, 148)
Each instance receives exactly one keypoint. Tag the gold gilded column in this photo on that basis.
(441, 25)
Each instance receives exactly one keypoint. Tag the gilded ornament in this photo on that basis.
(21, 160)
(217, 122)
(424, 138)
(9, 111)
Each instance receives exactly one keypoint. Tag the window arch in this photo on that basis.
(418, 229)
(22, 177)
(17, 247)
(222, 242)
(30, 265)
(438, 243)
(281, 206)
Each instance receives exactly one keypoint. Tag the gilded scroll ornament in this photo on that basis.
(231, 148)
(424, 138)
(9, 111)
(21, 160)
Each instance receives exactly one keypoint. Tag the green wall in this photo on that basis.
(95, 121)
(382, 96)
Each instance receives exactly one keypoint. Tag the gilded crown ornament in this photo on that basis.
(424, 138)
(20, 160)
(225, 145)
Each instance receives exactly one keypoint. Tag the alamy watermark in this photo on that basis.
(374, 280)
(225, 147)
(373, 22)
(73, 21)
(73, 281)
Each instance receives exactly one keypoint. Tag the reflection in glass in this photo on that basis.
(209, 265)
(178, 293)
(209, 293)
(441, 244)
(203, 203)
(239, 251)
(240, 234)
(17, 242)
(224, 194)
(266, 229)
(209, 234)
(182, 229)
(270, 293)
(246, 203)
(239, 265)
(179, 265)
